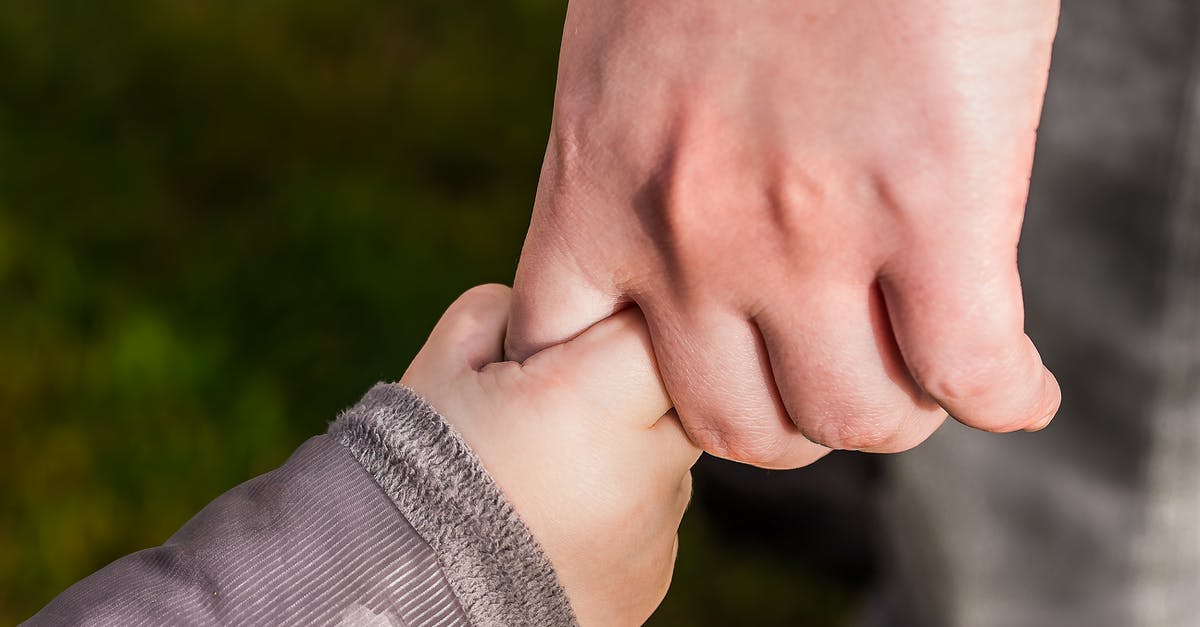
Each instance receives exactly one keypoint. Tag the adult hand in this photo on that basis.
(816, 204)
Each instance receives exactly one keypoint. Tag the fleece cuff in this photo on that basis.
(491, 560)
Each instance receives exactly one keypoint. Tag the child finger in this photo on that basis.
(469, 335)
(609, 369)
(672, 446)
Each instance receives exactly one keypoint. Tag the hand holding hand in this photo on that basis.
(581, 440)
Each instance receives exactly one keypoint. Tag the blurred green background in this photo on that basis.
(221, 222)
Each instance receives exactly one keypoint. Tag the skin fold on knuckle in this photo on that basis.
(989, 392)
(850, 433)
(740, 444)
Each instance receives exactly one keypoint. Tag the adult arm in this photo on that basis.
(816, 205)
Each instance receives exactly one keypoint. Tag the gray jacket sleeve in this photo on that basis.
(389, 519)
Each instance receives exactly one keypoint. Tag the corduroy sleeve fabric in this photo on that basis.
(387, 520)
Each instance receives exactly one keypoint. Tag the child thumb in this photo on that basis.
(469, 335)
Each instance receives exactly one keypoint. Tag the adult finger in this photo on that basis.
(717, 371)
(840, 373)
(958, 320)
(553, 298)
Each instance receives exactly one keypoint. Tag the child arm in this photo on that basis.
(401, 516)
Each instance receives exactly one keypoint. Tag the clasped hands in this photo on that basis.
(803, 215)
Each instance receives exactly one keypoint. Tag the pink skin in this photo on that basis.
(815, 204)
(581, 440)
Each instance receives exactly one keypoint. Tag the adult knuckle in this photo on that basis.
(739, 445)
(848, 421)
(967, 379)
(852, 434)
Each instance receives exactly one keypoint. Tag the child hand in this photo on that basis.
(582, 440)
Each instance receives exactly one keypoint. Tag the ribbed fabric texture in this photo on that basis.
(493, 563)
(313, 542)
